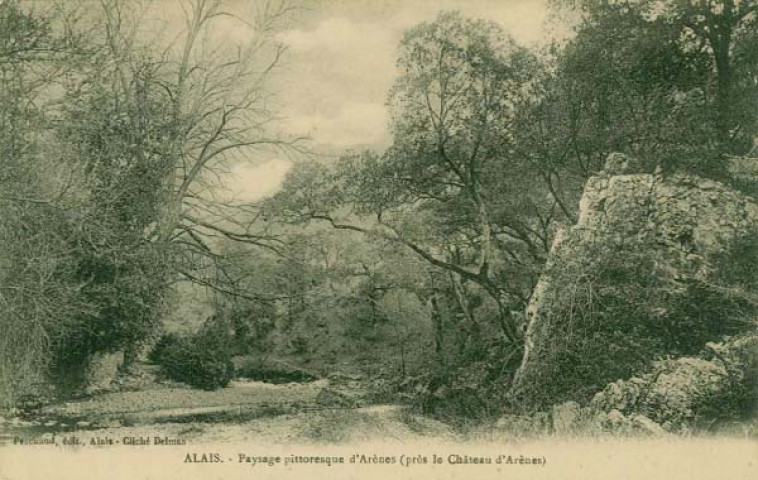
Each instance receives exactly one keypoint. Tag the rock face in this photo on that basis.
(677, 224)
(688, 215)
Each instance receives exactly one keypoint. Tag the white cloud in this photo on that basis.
(342, 61)
(337, 62)
(249, 183)
(523, 19)
(354, 124)
(338, 35)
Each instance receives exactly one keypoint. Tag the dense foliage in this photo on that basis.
(197, 365)
(202, 360)
(108, 150)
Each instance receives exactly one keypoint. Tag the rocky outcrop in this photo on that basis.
(713, 391)
(679, 394)
(572, 420)
(690, 216)
(675, 223)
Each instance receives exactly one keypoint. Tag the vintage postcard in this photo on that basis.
(378, 239)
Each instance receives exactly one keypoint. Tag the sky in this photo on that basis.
(340, 65)
(343, 52)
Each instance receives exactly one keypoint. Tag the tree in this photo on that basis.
(121, 137)
(446, 186)
(39, 301)
(156, 127)
(649, 73)
(724, 26)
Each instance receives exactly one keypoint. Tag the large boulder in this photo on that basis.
(631, 281)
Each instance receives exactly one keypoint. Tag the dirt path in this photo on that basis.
(332, 426)
(175, 400)
(245, 411)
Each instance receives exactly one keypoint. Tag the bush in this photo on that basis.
(468, 391)
(272, 372)
(191, 361)
(167, 341)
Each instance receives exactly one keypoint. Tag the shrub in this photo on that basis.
(167, 341)
(197, 364)
(272, 372)
(453, 400)
(468, 391)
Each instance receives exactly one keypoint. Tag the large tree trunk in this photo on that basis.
(131, 357)
(437, 322)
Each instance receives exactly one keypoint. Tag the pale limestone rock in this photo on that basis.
(617, 422)
(681, 219)
(642, 424)
(674, 392)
